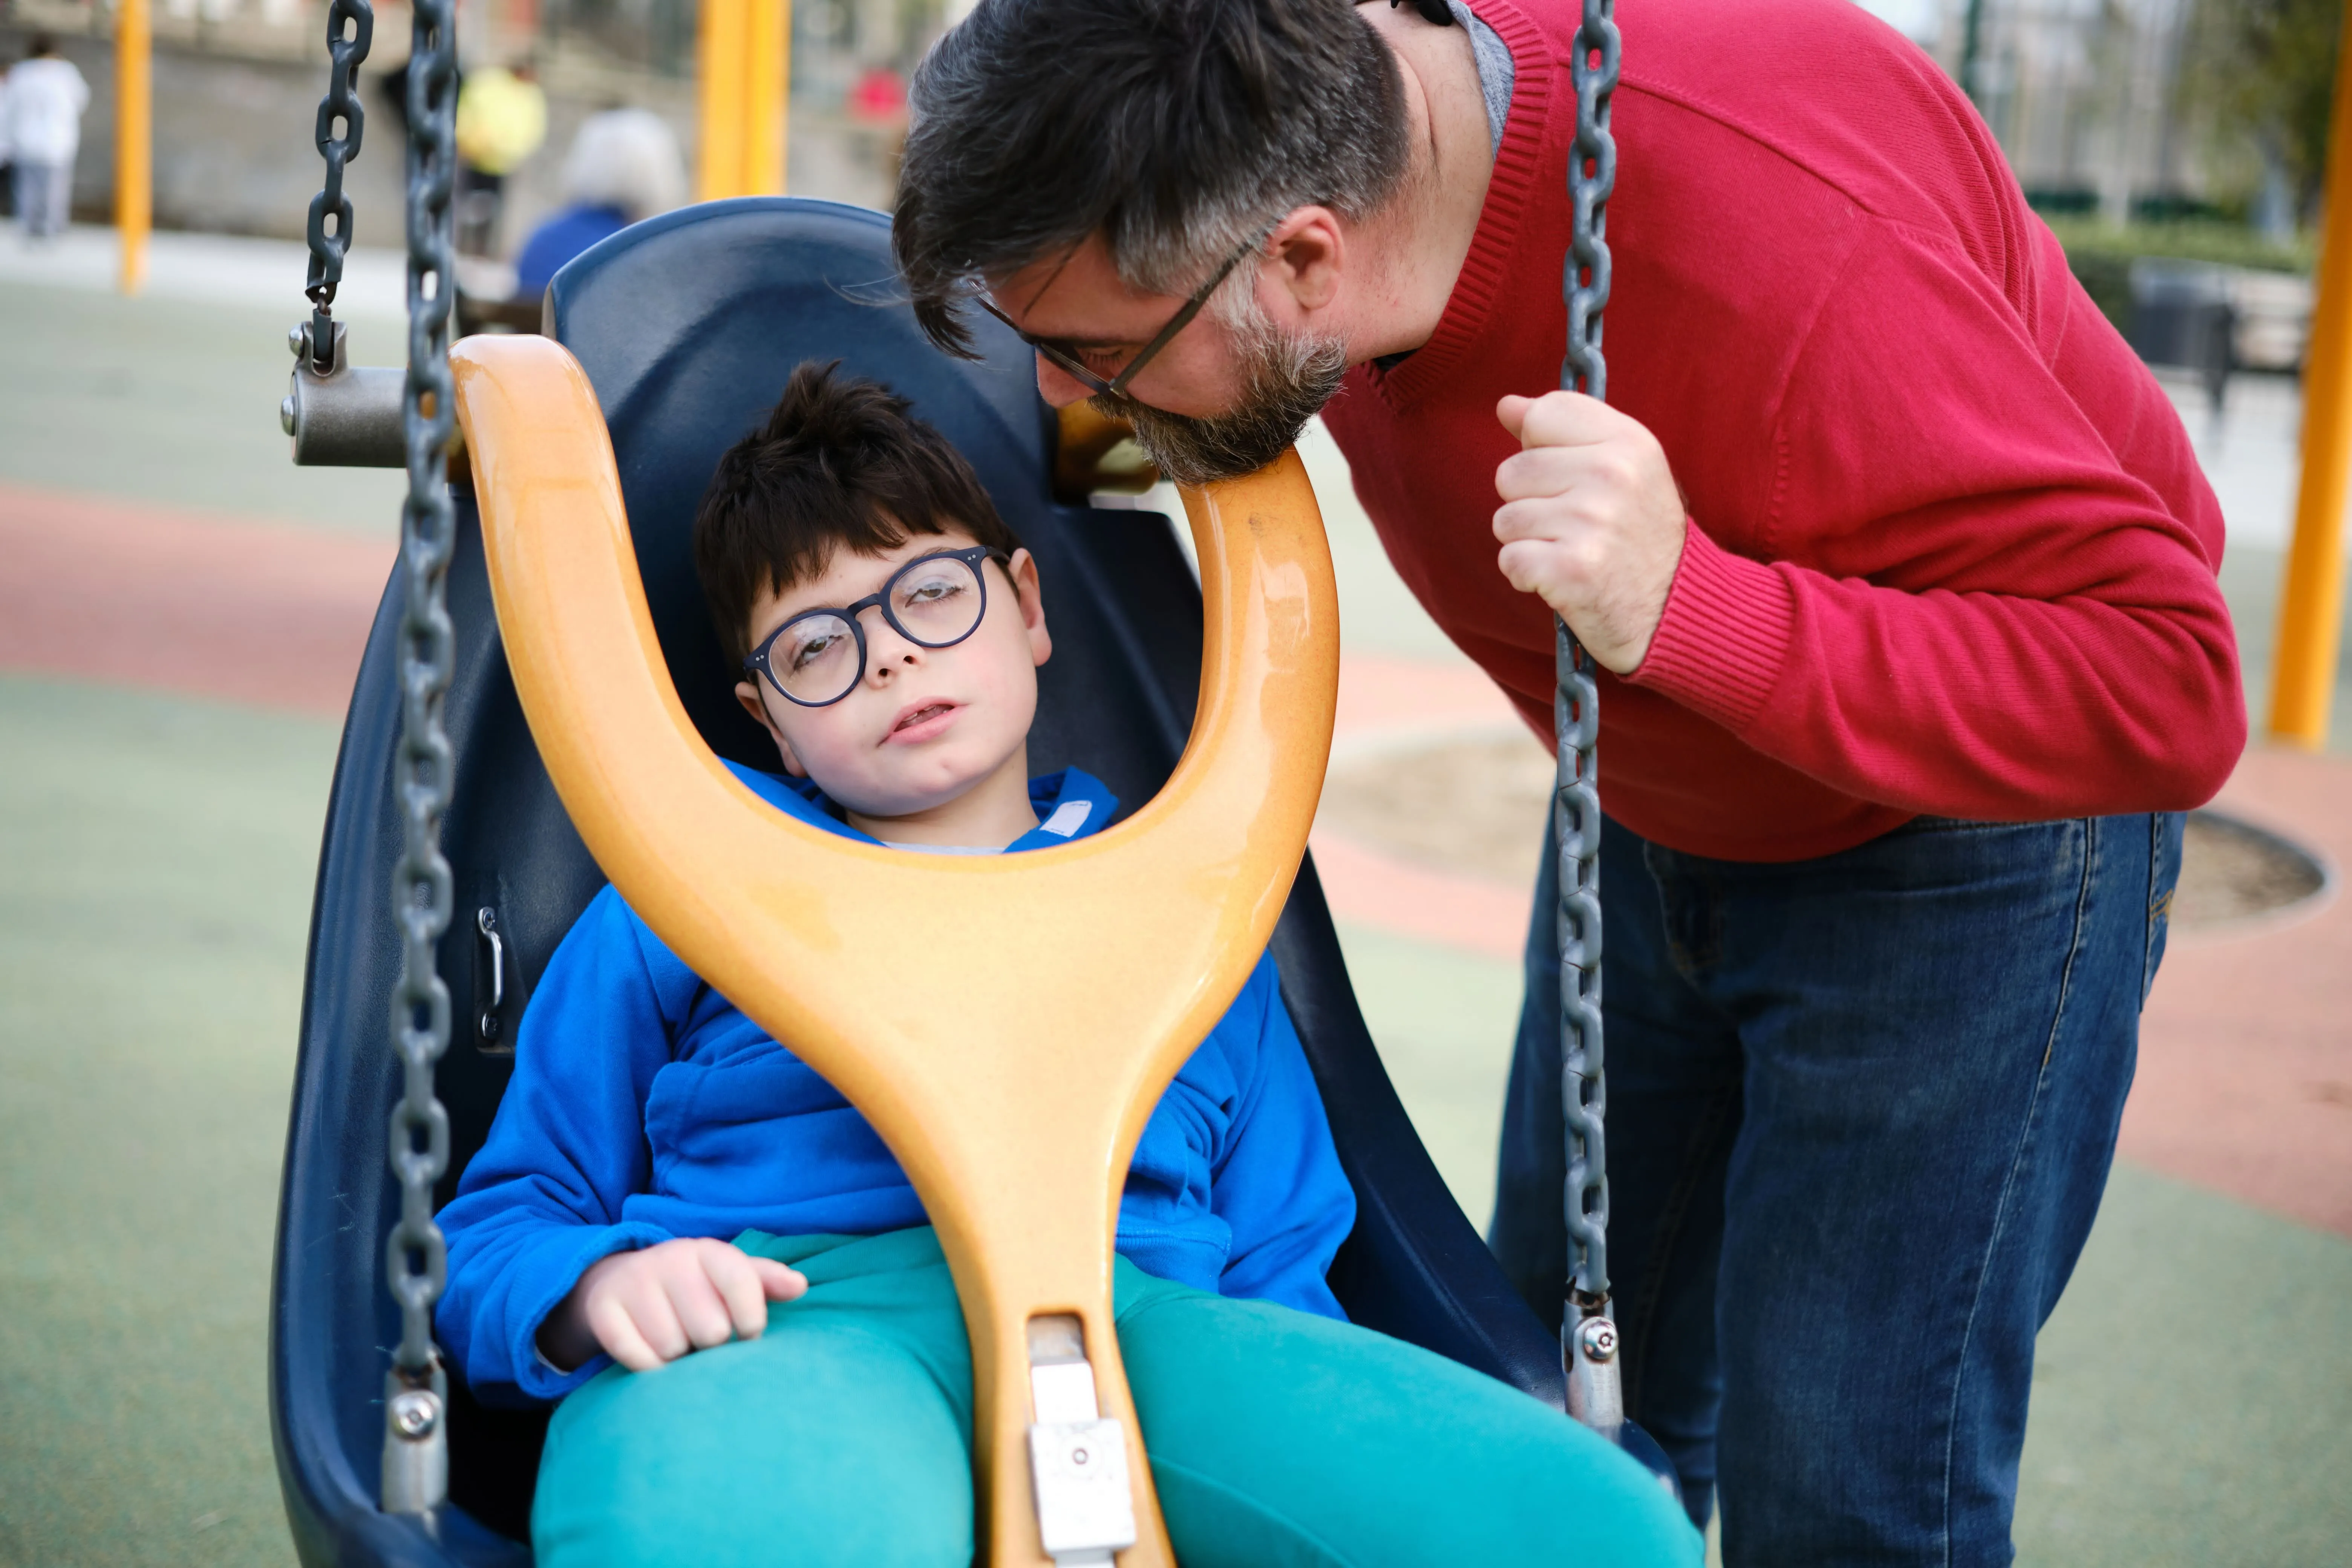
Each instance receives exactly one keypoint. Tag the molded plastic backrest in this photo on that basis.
(688, 326)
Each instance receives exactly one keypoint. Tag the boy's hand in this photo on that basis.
(1591, 520)
(652, 1306)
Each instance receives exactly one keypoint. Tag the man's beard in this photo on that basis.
(1288, 380)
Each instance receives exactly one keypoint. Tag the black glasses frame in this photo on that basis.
(756, 664)
(1065, 358)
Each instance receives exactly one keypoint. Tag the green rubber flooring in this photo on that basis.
(159, 855)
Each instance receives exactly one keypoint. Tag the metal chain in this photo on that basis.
(1576, 713)
(344, 53)
(416, 1259)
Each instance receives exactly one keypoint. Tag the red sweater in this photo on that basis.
(1950, 551)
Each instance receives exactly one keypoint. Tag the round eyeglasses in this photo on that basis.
(818, 657)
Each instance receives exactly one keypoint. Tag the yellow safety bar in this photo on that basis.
(1083, 976)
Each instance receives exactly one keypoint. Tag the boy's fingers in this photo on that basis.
(739, 1286)
(1513, 412)
(655, 1316)
(702, 1316)
(615, 1329)
(779, 1282)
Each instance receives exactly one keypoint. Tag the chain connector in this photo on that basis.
(346, 415)
(1596, 1390)
(415, 1440)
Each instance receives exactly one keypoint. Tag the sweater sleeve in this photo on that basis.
(542, 1200)
(1969, 602)
(1279, 1185)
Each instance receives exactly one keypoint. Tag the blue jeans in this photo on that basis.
(1861, 1111)
(43, 192)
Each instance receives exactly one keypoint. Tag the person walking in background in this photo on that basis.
(501, 121)
(623, 166)
(42, 108)
(7, 159)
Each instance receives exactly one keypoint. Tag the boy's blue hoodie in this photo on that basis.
(645, 1107)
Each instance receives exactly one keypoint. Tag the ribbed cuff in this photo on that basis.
(1723, 640)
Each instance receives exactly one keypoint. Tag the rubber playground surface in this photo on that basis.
(181, 615)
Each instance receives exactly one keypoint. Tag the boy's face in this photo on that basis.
(923, 725)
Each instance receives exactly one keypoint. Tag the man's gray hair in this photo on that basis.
(1178, 129)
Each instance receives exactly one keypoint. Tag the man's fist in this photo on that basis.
(652, 1306)
(1590, 520)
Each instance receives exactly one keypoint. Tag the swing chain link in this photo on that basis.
(416, 1451)
(344, 55)
(1576, 716)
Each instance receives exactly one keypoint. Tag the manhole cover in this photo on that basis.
(2232, 871)
(1475, 807)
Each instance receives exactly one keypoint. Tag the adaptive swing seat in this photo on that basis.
(682, 330)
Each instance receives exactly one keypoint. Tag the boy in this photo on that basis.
(687, 1236)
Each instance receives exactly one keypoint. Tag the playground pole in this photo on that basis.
(743, 64)
(2311, 611)
(133, 143)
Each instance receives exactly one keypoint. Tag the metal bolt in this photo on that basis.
(286, 414)
(297, 340)
(1598, 1340)
(415, 1413)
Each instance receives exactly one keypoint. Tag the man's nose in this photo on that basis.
(1058, 386)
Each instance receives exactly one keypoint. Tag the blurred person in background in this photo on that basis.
(501, 121)
(40, 125)
(8, 162)
(623, 166)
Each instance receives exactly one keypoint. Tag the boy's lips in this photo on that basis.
(921, 720)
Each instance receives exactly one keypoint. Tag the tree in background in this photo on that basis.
(2262, 73)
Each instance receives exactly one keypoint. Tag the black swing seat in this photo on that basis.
(688, 326)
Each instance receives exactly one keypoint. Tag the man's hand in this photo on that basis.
(1591, 522)
(653, 1305)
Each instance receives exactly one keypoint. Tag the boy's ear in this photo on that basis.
(1023, 572)
(748, 696)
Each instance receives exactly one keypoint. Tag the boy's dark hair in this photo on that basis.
(840, 464)
(1179, 128)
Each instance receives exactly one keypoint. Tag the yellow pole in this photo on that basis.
(2311, 612)
(135, 151)
(745, 60)
(767, 88)
(718, 150)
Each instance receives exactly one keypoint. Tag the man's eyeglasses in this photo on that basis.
(818, 657)
(1060, 353)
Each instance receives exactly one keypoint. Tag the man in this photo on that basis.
(1898, 566)
(45, 97)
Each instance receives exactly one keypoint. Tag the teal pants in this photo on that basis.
(844, 1435)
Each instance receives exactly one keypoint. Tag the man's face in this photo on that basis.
(922, 725)
(1217, 401)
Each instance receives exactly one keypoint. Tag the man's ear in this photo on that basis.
(1022, 570)
(1305, 256)
(748, 696)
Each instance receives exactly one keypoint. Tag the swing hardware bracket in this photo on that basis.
(1078, 1457)
(1596, 1392)
(349, 416)
(415, 1442)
